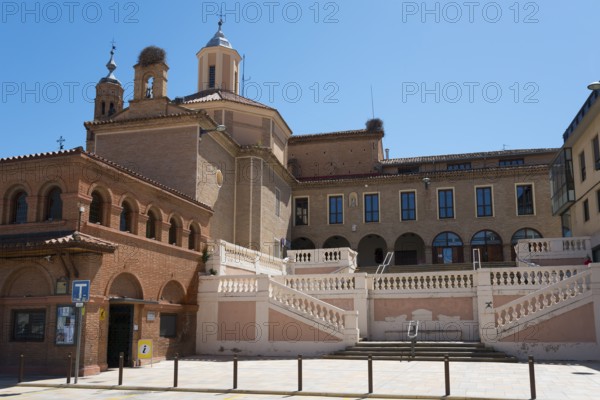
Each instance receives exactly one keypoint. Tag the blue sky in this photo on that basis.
(447, 77)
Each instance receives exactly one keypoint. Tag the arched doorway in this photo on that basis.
(489, 244)
(302, 243)
(409, 249)
(335, 242)
(525, 233)
(447, 248)
(371, 251)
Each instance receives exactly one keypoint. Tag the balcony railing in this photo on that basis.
(543, 250)
(339, 260)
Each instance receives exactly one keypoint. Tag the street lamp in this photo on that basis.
(594, 85)
(218, 128)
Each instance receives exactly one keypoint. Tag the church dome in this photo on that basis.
(219, 39)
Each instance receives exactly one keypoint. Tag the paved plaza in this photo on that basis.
(212, 378)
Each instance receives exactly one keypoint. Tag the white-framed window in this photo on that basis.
(301, 211)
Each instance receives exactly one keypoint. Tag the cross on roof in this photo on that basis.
(60, 142)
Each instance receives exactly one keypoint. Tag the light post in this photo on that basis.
(594, 85)
(218, 128)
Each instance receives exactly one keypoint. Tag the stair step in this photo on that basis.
(423, 351)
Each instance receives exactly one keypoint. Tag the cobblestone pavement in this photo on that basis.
(211, 378)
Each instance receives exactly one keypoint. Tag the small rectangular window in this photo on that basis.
(582, 166)
(408, 169)
(459, 166)
(596, 148)
(277, 202)
(598, 199)
(211, 77)
(372, 207)
(29, 325)
(65, 325)
(484, 202)
(301, 211)
(445, 203)
(511, 162)
(168, 325)
(336, 210)
(586, 210)
(408, 206)
(525, 200)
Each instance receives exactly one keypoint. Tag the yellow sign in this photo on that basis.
(144, 348)
(102, 314)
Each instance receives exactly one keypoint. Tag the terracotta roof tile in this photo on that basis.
(55, 239)
(466, 156)
(209, 95)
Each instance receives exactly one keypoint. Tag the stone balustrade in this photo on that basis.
(325, 260)
(543, 249)
(531, 276)
(525, 308)
(320, 311)
(225, 255)
(422, 281)
(333, 283)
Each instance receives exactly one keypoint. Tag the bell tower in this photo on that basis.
(109, 92)
(150, 78)
(218, 64)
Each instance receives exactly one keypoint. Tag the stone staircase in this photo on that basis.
(424, 351)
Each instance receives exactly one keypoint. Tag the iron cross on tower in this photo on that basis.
(60, 142)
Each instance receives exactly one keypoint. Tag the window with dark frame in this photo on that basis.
(408, 206)
(173, 228)
(582, 171)
(151, 226)
(596, 147)
(168, 325)
(29, 325)
(54, 205)
(458, 166)
(193, 238)
(525, 200)
(211, 76)
(511, 162)
(301, 211)
(445, 203)
(336, 210)
(372, 207)
(598, 199)
(19, 208)
(586, 210)
(125, 223)
(484, 202)
(277, 202)
(96, 208)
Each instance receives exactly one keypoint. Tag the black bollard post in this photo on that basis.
(235, 371)
(121, 360)
(370, 373)
(69, 368)
(532, 377)
(447, 373)
(21, 368)
(299, 373)
(176, 371)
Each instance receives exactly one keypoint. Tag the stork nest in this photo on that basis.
(152, 55)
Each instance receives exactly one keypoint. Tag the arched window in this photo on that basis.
(151, 225)
(447, 248)
(126, 219)
(19, 208)
(173, 231)
(489, 244)
(96, 209)
(193, 238)
(54, 205)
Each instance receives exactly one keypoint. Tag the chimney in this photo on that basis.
(387, 154)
